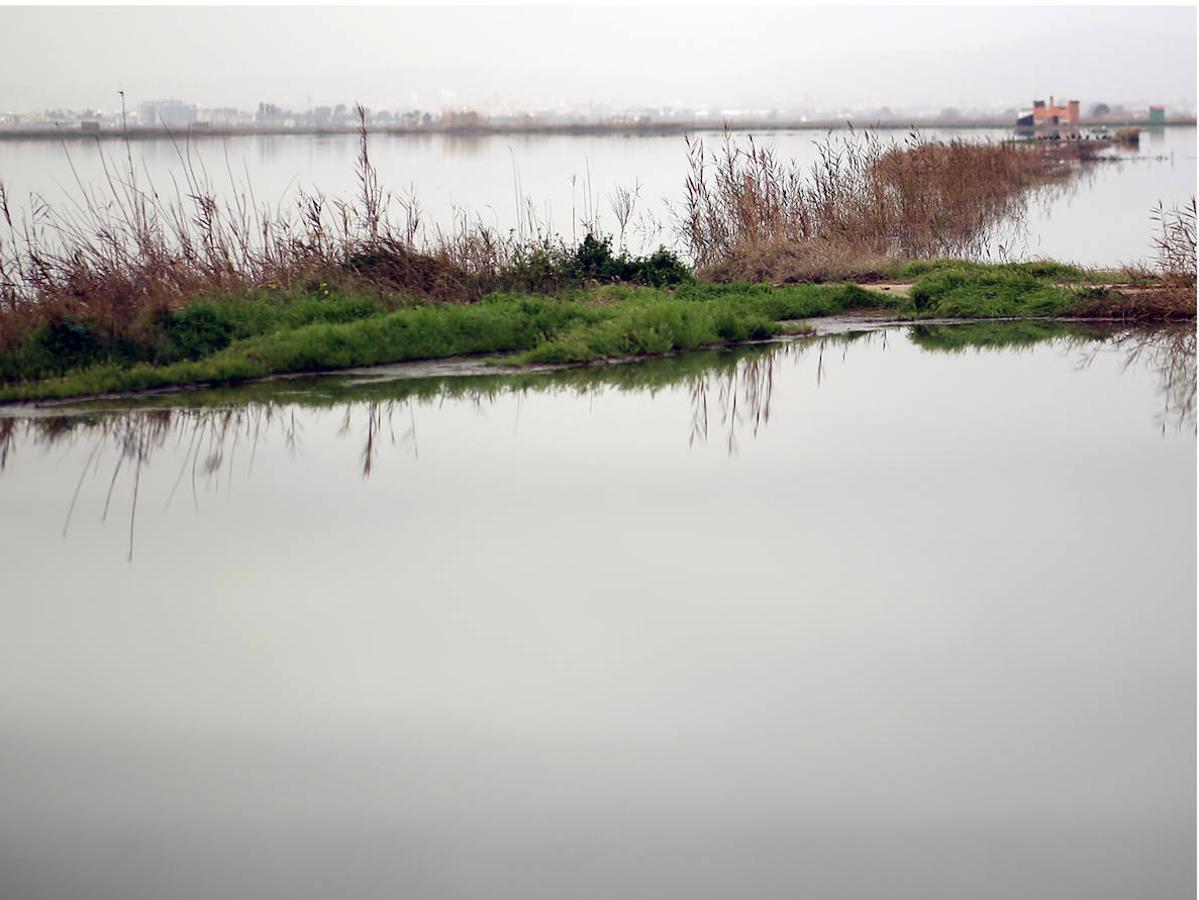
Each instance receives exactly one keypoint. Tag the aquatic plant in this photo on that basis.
(132, 287)
(229, 341)
(861, 208)
(1175, 250)
(115, 261)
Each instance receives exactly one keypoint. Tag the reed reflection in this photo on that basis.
(1169, 351)
(216, 434)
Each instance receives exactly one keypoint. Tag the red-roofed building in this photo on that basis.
(1053, 114)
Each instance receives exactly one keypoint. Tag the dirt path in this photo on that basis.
(891, 288)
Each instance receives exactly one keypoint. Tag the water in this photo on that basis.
(1104, 220)
(841, 618)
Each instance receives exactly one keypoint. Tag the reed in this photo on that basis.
(116, 260)
(1163, 291)
(133, 273)
(861, 207)
(1174, 245)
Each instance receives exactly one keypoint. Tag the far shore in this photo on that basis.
(619, 128)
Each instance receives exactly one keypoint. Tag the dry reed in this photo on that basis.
(119, 256)
(859, 207)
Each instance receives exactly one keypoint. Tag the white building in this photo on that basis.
(165, 114)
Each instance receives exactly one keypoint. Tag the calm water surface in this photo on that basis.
(890, 615)
(1102, 220)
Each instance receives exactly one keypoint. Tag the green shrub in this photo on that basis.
(660, 269)
(196, 331)
(64, 345)
(546, 268)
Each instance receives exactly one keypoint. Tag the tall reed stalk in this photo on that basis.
(748, 214)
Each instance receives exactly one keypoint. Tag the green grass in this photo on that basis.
(650, 323)
(975, 292)
(199, 329)
(327, 392)
(1048, 270)
(228, 340)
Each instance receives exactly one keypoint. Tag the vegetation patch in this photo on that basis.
(136, 292)
(230, 341)
(865, 205)
(995, 293)
(1045, 289)
(238, 338)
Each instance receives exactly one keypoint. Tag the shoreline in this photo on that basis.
(491, 365)
(616, 129)
(847, 318)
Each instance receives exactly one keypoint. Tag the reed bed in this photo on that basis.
(864, 205)
(1164, 290)
(120, 257)
(133, 273)
(1174, 244)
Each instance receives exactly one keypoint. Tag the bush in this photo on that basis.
(196, 331)
(660, 269)
(545, 268)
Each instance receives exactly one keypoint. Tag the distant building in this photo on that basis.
(165, 114)
(1157, 115)
(222, 117)
(1052, 114)
(1049, 119)
(272, 115)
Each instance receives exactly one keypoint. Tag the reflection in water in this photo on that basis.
(213, 437)
(1169, 351)
(729, 389)
(730, 392)
(742, 394)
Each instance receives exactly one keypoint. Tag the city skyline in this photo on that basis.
(303, 58)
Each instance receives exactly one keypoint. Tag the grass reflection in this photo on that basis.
(1167, 350)
(217, 433)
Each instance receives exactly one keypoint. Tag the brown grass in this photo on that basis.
(1166, 290)
(118, 256)
(1175, 249)
(862, 204)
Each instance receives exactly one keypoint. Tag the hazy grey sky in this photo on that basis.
(531, 56)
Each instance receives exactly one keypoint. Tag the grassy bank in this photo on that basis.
(119, 257)
(1042, 289)
(233, 340)
(238, 338)
(132, 291)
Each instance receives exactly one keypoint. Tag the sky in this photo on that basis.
(621, 57)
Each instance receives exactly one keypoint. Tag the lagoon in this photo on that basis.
(902, 612)
(559, 182)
